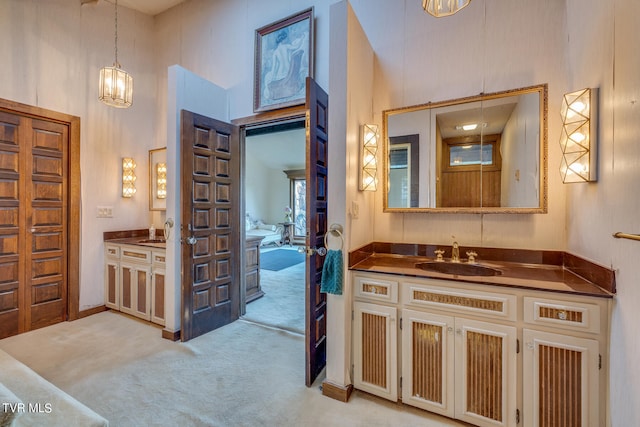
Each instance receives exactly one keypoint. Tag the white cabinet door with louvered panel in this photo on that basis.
(428, 361)
(486, 377)
(560, 380)
(375, 352)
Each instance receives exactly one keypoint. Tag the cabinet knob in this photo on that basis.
(459, 331)
(530, 345)
(450, 329)
(562, 315)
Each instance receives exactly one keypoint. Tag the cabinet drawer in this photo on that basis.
(562, 314)
(135, 255)
(158, 257)
(470, 301)
(112, 251)
(374, 289)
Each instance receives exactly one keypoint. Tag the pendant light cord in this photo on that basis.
(116, 36)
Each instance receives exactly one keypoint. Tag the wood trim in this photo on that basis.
(169, 335)
(74, 183)
(337, 392)
(298, 111)
(91, 311)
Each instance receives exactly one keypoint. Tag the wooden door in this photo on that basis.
(34, 196)
(210, 224)
(317, 117)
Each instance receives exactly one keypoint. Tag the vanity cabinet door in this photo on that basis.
(560, 380)
(428, 361)
(135, 290)
(486, 379)
(112, 284)
(157, 295)
(375, 353)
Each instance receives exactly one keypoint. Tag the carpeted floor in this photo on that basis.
(279, 259)
(242, 374)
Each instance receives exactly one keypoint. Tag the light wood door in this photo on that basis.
(210, 224)
(158, 276)
(135, 289)
(375, 351)
(112, 284)
(485, 361)
(34, 196)
(560, 380)
(428, 361)
(317, 169)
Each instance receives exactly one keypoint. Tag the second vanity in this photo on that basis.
(525, 343)
(135, 274)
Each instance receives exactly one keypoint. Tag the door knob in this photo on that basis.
(310, 251)
(191, 240)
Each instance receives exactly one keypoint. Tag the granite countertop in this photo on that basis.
(134, 237)
(539, 270)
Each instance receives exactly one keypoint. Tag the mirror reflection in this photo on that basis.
(485, 153)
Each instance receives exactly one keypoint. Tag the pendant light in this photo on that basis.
(440, 8)
(116, 85)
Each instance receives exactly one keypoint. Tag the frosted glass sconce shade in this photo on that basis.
(128, 177)
(369, 167)
(440, 8)
(161, 185)
(578, 138)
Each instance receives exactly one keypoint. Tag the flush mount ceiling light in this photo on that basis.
(369, 167)
(578, 139)
(116, 85)
(440, 8)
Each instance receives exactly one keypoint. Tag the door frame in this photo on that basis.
(73, 188)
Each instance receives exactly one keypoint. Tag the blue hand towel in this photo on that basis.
(331, 282)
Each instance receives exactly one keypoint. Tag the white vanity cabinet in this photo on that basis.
(486, 355)
(134, 282)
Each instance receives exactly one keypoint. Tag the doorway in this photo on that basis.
(275, 207)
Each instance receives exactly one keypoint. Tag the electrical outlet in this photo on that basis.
(105, 212)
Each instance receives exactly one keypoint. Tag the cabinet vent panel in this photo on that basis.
(374, 349)
(559, 314)
(477, 303)
(375, 289)
(427, 362)
(484, 375)
(560, 391)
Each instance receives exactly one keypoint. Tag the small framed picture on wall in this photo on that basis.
(283, 60)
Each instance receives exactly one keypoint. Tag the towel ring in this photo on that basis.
(334, 230)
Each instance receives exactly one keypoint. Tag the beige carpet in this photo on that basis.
(240, 375)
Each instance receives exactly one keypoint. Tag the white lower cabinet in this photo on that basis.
(560, 380)
(135, 284)
(461, 368)
(485, 355)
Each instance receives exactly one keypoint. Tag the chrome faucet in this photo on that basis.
(455, 253)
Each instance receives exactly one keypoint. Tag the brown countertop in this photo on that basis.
(134, 237)
(560, 274)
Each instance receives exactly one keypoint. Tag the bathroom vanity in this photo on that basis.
(135, 274)
(526, 343)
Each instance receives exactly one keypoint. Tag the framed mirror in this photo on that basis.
(158, 179)
(480, 154)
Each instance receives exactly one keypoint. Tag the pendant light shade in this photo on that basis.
(115, 85)
(440, 8)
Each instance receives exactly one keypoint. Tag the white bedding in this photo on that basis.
(271, 233)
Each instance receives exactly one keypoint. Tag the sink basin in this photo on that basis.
(458, 268)
(152, 241)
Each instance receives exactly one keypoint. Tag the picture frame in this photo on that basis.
(284, 58)
(157, 199)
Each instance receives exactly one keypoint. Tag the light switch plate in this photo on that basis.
(105, 212)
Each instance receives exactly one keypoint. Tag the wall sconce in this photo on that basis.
(161, 183)
(440, 8)
(578, 139)
(128, 177)
(369, 166)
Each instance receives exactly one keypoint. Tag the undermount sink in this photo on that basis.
(458, 268)
(152, 241)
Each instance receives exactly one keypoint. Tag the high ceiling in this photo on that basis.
(149, 7)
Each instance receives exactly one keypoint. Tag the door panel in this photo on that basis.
(210, 212)
(317, 104)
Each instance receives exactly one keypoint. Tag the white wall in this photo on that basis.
(52, 53)
(601, 41)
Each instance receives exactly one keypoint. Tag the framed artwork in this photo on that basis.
(283, 60)
(158, 179)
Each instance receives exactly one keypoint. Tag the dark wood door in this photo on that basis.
(34, 193)
(317, 104)
(210, 229)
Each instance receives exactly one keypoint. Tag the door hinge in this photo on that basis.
(599, 361)
(517, 416)
(517, 346)
(401, 323)
(400, 383)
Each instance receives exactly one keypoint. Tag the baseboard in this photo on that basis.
(337, 392)
(91, 311)
(169, 335)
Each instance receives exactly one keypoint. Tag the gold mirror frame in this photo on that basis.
(158, 155)
(542, 90)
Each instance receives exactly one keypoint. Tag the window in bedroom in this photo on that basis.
(298, 196)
